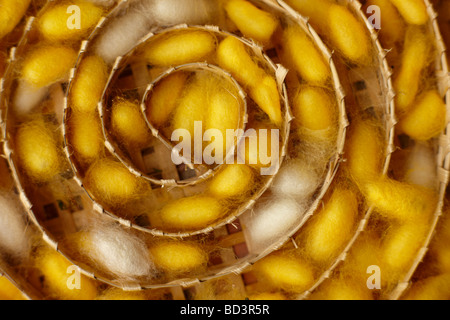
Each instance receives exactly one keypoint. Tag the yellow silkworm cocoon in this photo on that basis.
(413, 11)
(164, 96)
(10, 14)
(223, 112)
(233, 57)
(234, 180)
(262, 25)
(37, 151)
(331, 227)
(343, 289)
(304, 56)
(439, 249)
(401, 201)
(61, 280)
(364, 151)
(88, 86)
(392, 25)
(191, 212)
(110, 181)
(414, 58)
(401, 245)
(56, 24)
(178, 257)
(432, 288)
(128, 123)
(46, 65)
(427, 117)
(192, 106)
(285, 272)
(8, 291)
(348, 34)
(180, 48)
(314, 108)
(86, 136)
(315, 10)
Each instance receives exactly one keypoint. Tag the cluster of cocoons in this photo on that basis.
(403, 208)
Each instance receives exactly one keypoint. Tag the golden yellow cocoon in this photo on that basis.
(8, 291)
(427, 117)
(316, 11)
(305, 58)
(314, 108)
(234, 180)
(179, 48)
(399, 200)
(86, 136)
(88, 85)
(178, 257)
(110, 181)
(286, 272)
(401, 245)
(10, 14)
(343, 289)
(392, 25)
(348, 34)
(432, 288)
(414, 59)
(233, 57)
(37, 151)
(128, 123)
(163, 99)
(55, 22)
(192, 106)
(262, 25)
(59, 277)
(332, 226)
(413, 11)
(223, 112)
(46, 65)
(191, 212)
(364, 151)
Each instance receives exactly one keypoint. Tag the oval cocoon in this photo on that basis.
(55, 268)
(262, 26)
(55, 21)
(128, 123)
(111, 182)
(85, 136)
(348, 34)
(305, 57)
(180, 48)
(427, 117)
(11, 14)
(163, 99)
(191, 212)
(330, 228)
(46, 65)
(285, 272)
(413, 11)
(37, 151)
(178, 257)
(88, 85)
(314, 108)
(234, 180)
